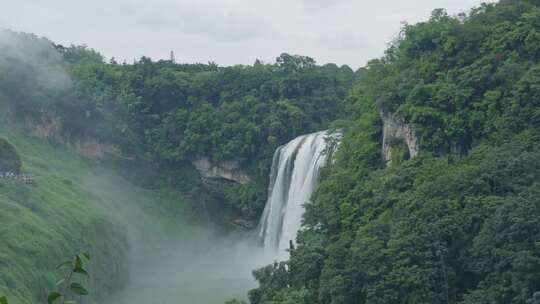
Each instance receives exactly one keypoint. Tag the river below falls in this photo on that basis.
(204, 269)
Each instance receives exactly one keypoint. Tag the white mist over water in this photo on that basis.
(175, 262)
(294, 177)
(169, 259)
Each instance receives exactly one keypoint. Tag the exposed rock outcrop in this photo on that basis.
(47, 127)
(50, 127)
(395, 130)
(243, 224)
(94, 149)
(229, 170)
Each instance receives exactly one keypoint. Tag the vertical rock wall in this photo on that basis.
(395, 130)
(228, 170)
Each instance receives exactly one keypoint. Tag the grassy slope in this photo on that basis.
(71, 207)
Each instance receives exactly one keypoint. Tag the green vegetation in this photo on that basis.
(10, 161)
(399, 152)
(169, 114)
(44, 221)
(73, 204)
(175, 112)
(71, 283)
(460, 223)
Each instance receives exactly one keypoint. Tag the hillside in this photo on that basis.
(72, 206)
(449, 210)
(172, 116)
(161, 169)
(138, 163)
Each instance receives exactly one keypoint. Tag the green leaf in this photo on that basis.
(70, 302)
(53, 296)
(86, 255)
(3, 300)
(81, 271)
(60, 282)
(78, 289)
(78, 262)
(64, 265)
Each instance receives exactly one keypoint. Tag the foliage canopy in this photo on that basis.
(460, 222)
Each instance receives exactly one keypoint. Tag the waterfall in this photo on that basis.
(293, 179)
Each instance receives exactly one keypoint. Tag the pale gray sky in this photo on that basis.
(225, 31)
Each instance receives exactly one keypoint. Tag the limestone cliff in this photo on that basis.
(46, 127)
(50, 127)
(94, 149)
(396, 131)
(229, 170)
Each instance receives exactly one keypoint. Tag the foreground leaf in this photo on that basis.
(86, 255)
(53, 296)
(81, 271)
(64, 265)
(78, 262)
(78, 289)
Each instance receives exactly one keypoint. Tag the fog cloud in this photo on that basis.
(29, 55)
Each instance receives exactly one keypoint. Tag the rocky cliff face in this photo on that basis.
(396, 131)
(50, 127)
(47, 127)
(94, 149)
(229, 170)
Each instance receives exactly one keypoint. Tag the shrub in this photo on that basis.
(10, 161)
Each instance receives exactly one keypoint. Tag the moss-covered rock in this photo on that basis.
(10, 161)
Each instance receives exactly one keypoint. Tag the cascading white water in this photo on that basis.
(294, 176)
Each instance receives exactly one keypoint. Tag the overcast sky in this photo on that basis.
(225, 31)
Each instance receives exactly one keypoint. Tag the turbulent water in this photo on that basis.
(181, 263)
(295, 172)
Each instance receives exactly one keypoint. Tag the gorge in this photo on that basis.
(178, 260)
(195, 183)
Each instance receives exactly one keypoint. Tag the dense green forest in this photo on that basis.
(168, 114)
(161, 115)
(460, 223)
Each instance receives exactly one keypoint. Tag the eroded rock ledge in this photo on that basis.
(396, 131)
(229, 170)
(50, 127)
